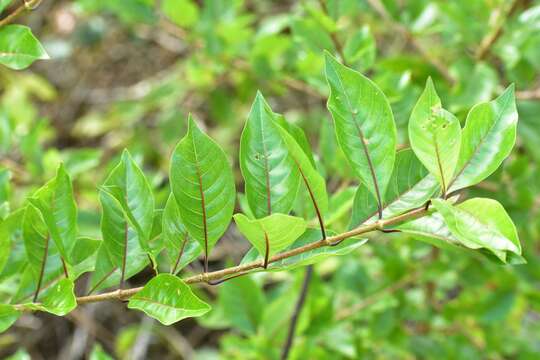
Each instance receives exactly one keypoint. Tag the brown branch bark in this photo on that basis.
(296, 313)
(26, 5)
(492, 36)
(220, 274)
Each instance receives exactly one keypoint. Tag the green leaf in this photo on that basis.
(481, 223)
(18, 47)
(271, 177)
(57, 206)
(184, 13)
(21, 354)
(84, 255)
(242, 300)
(99, 354)
(308, 257)
(298, 134)
(128, 185)
(410, 187)
(177, 239)
(43, 256)
(313, 181)
(8, 228)
(488, 138)
(435, 136)
(120, 239)
(168, 299)
(360, 48)
(58, 300)
(280, 230)
(4, 4)
(364, 125)
(203, 186)
(8, 316)
(107, 274)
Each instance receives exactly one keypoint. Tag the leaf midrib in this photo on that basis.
(362, 139)
(480, 143)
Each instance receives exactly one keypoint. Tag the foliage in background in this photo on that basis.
(391, 297)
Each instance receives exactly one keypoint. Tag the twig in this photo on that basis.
(215, 275)
(528, 94)
(296, 313)
(370, 300)
(378, 6)
(492, 36)
(26, 5)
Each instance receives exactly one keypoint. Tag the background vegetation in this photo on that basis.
(126, 73)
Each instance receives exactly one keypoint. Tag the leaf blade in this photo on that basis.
(435, 136)
(488, 138)
(263, 155)
(19, 48)
(168, 299)
(365, 125)
(279, 229)
(203, 186)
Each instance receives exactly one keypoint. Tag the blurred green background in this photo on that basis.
(126, 73)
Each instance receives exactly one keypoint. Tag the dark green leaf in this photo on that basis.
(312, 180)
(271, 177)
(243, 302)
(43, 257)
(57, 206)
(128, 185)
(410, 186)
(181, 248)
(203, 186)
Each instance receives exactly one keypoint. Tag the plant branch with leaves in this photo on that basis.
(279, 169)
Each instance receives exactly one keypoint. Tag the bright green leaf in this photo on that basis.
(435, 136)
(168, 299)
(184, 13)
(488, 137)
(481, 223)
(18, 47)
(280, 230)
(364, 125)
(58, 300)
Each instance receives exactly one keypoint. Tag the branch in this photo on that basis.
(491, 37)
(220, 274)
(528, 94)
(296, 312)
(26, 5)
(379, 8)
